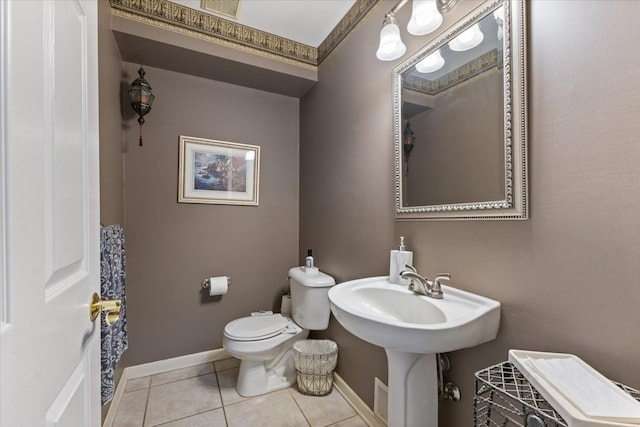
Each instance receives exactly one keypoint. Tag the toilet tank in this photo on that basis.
(310, 307)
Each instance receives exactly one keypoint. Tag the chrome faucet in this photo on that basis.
(422, 285)
(417, 283)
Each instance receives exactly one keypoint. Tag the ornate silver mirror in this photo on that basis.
(460, 114)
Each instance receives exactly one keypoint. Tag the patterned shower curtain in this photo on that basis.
(112, 286)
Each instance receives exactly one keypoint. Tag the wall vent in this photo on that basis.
(222, 7)
(380, 397)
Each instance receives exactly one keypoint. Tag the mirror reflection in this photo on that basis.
(460, 114)
(452, 119)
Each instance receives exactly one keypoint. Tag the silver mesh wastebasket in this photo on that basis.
(315, 361)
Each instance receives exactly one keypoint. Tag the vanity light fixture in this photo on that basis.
(469, 39)
(426, 17)
(431, 63)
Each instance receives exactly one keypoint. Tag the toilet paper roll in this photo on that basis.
(218, 285)
(285, 306)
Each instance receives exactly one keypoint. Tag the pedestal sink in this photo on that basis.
(412, 329)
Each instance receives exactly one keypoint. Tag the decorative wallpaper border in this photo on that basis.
(468, 71)
(202, 36)
(357, 12)
(169, 15)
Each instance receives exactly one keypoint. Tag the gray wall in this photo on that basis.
(568, 277)
(111, 161)
(345, 181)
(172, 247)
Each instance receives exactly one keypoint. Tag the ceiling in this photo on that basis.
(304, 21)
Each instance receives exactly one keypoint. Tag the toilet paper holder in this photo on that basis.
(206, 283)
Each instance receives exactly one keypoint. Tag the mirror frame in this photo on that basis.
(515, 204)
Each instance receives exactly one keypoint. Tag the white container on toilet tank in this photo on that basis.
(310, 297)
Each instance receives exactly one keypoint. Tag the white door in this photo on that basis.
(50, 350)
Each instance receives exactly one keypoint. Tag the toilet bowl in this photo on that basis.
(264, 343)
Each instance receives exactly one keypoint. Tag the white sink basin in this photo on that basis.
(395, 318)
(412, 328)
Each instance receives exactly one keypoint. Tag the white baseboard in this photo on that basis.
(158, 367)
(358, 404)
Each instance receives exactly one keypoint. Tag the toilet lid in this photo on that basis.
(256, 327)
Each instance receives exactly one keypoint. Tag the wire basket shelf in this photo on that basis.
(505, 398)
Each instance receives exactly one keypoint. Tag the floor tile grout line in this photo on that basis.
(228, 369)
(343, 419)
(244, 398)
(146, 403)
(164, 423)
(339, 421)
(224, 411)
(344, 397)
(335, 422)
(172, 382)
(192, 415)
(182, 379)
(289, 389)
(179, 369)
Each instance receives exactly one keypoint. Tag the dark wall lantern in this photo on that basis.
(141, 98)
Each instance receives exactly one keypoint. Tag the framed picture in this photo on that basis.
(218, 172)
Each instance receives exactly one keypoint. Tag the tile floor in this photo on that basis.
(205, 395)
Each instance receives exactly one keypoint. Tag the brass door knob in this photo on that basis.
(111, 308)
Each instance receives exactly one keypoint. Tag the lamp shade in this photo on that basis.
(391, 46)
(425, 17)
(469, 39)
(431, 63)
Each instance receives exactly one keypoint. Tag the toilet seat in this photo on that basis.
(254, 328)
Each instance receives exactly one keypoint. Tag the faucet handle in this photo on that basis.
(411, 268)
(440, 277)
(435, 291)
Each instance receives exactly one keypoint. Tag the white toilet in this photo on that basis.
(264, 343)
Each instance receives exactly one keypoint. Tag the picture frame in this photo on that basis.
(218, 172)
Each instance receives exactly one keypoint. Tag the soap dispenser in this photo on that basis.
(397, 261)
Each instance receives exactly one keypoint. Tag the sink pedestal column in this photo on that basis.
(413, 389)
